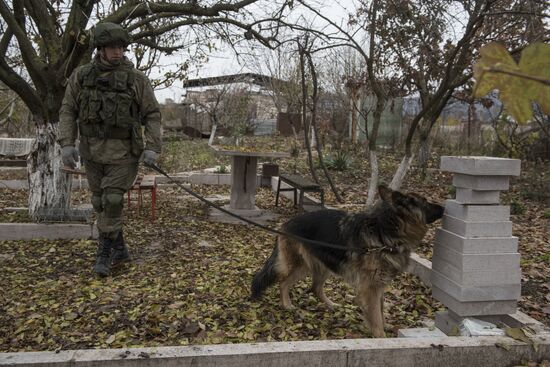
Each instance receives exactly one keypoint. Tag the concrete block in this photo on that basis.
(481, 166)
(390, 352)
(51, 231)
(478, 308)
(421, 332)
(478, 245)
(477, 213)
(476, 278)
(447, 324)
(481, 183)
(477, 229)
(471, 293)
(420, 267)
(477, 262)
(469, 196)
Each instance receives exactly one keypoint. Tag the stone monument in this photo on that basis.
(476, 265)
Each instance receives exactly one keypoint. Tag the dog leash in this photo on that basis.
(259, 225)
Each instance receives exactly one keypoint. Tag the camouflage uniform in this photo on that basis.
(114, 110)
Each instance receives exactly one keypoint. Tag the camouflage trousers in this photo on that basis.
(108, 184)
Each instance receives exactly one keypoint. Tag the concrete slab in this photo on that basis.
(477, 278)
(448, 324)
(476, 229)
(421, 332)
(481, 166)
(24, 185)
(480, 308)
(477, 213)
(469, 196)
(496, 289)
(478, 245)
(481, 182)
(476, 262)
(52, 231)
(420, 267)
(402, 352)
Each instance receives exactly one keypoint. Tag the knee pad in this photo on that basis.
(113, 200)
(97, 202)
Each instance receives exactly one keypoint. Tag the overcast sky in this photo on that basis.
(224, 61)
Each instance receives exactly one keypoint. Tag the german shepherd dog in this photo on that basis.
(376, 248)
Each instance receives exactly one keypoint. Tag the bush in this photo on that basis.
(339, 161)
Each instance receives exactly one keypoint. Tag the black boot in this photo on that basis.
(103, 257)
(120, 251)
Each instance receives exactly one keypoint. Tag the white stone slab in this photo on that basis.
(477, 213)
(477, 262)
(478, 245)
(476, 278)
(469, 196)
(421, 332)
(474, 308)
(481, 166)
(52, 231)
(466, 293)
(477, 229)
(481, 182)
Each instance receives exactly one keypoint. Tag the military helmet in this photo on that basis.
(110, 34)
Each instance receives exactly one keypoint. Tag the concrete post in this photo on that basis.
(475, 265)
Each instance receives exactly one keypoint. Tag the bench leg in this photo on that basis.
(295, 194)
(278, 190)
(322, 198)
(154, 202)
(301, 203)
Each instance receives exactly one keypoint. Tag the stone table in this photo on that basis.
(244, 179)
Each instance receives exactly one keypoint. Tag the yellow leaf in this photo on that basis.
(110, 339)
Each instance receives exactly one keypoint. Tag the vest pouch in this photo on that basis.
(120, 81)
(90, 104)
(108, 108)
(124, 117)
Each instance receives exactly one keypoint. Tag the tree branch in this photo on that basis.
(46, 27)
(17, 84)
(28, 53)
(5, 42)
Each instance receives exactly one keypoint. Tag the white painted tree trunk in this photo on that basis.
(373, 184)
(401, 172)
(212, 134)
(49, 188)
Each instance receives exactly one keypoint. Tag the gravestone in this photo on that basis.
(476, 265)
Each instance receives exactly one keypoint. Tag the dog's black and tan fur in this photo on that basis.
(387, 233)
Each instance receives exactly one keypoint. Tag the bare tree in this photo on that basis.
(42, 42)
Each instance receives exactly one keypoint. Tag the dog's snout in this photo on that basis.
(435, 212)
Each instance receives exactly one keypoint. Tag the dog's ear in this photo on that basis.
(385, 193)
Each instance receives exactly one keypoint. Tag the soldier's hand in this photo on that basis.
(149, 158)
(69, 155)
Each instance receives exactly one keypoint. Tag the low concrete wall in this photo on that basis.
(425, 352)
(51, 231)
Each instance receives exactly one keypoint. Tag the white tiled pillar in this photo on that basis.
(475, 264)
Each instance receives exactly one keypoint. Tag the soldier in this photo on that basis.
(112, 107)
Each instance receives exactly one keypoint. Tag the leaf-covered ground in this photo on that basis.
(190, 278)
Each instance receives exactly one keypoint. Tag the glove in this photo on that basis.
(149, 158)
(69, 155)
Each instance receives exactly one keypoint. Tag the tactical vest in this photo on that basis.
(107, 103)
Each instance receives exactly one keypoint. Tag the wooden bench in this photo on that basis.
(142, 183)
(300, 183)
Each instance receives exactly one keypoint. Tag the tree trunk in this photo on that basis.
(212, 134)
(373, 184)
(401, 172)
(49, 188)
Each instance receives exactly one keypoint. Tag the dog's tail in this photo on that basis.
(267, 276)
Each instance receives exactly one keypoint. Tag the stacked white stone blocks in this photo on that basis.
(475, 264)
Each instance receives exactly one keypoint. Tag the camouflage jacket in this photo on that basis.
(110, 148)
